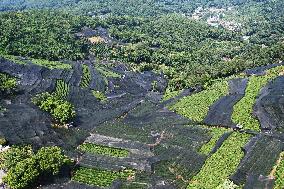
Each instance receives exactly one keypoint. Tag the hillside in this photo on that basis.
(150, 94)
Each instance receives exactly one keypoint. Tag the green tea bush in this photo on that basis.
(103, 150)
(101, 178)
(216, 133)
(86, 77)
(171, 94)
(12, 58)
(242, 113)
(221, 164)
(196, 106)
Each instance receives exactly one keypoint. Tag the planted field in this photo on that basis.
(196, 106)
(242, 113)
(222, 164)
(101, 178)
(103, 150)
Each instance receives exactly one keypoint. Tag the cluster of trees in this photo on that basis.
(189, 52)
(119, 7)
(43, 35)
(24, 167)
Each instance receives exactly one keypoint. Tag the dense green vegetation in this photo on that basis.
(189, 52)
(103, 150)
(243, 110)
(98, 177)
(42, 35)
(25, 167)
(216, 133)
(221, 164)
(56, 104)
(196, 106)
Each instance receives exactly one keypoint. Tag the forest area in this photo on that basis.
(141, 94)
(155, 35)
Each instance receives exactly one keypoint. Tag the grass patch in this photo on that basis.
(216, 133)
(243, 110)
(103, 150)
(222, 164)
(107, 73)
(101, 178)
(14, 59)
(196, 106)
(100, 96)
(41, 62)
(51, 64)
(86, 77)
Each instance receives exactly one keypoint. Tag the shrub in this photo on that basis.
(61, 110)
(15, 155)
(51, 160)
(24, 167)
(23, 175)
(7, 83)
(100, 96)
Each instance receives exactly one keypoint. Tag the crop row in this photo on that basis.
(101, 178)
(242, 113)
(103, 150)
(62, 89)
(196, 106)
(86, 77)
(221, 164)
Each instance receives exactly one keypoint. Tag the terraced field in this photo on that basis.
(125, 135)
